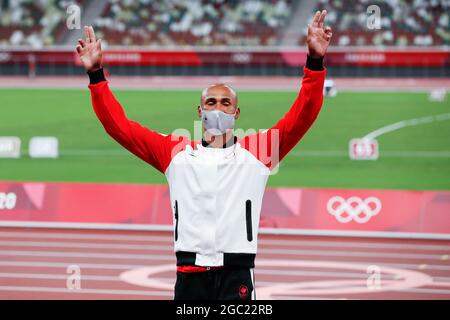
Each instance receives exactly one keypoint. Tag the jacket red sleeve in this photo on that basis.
(272, 145)
(154, 148)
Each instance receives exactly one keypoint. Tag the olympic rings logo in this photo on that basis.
(354, 208)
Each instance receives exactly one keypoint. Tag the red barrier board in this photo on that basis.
(149, 58)
(389, 58)
(294, 58)
(297, 208)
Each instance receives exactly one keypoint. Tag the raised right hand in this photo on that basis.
(90, 50)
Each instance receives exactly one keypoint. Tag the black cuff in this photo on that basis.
(96, 76)
(314, 64)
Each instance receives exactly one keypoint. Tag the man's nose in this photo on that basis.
(219, 106)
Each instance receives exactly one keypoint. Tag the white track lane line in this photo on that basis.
(442, 279)
(170, 293)
(45, 264)
(150, 256)
(33, 264)
(88, 291)
(171, 280)
(70, 235)
(423, 290)
(169, 239)
(83, 277)
(262, 243)
(61, 254)
(276, 272)
(64, 277)
(328, 274)
(431, 291)
(83, 245)
(338, 253)
(264, 231)
(350, 244)
(408, 290)
(56, 277)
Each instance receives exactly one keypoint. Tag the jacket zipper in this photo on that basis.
(248, 219)
(176, 220)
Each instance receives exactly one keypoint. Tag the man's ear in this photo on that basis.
(238, 113)
(199, 111)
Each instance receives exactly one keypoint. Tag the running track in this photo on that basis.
(140, 265)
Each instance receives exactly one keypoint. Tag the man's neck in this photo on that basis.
(223, 141)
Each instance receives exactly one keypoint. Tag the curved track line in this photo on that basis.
(406, 123)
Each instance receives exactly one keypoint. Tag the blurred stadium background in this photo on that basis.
(337, 209)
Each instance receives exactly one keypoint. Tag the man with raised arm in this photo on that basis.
(216, 184)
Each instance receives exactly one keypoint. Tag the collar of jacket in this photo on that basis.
(229, 143)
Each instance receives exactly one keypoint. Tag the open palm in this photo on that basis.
(90, 50)
(318, 37)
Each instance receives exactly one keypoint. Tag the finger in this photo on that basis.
(99, 43)
(309, 29)
(322, 18)
(316, 19)
(86, 34)
(82, 43)
(92, 34)
(78, 49)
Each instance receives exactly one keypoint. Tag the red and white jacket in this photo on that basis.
(216, 194)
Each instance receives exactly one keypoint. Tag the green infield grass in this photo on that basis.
(415, 157)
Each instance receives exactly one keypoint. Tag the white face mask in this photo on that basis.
(217, 122)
